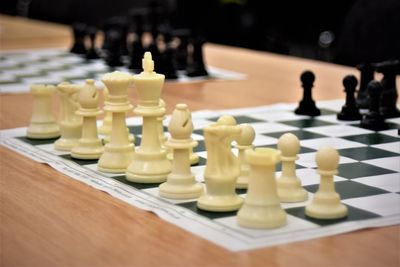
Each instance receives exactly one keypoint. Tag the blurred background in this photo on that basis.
(347, 32)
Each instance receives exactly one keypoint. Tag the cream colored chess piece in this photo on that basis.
(70, 122)
(326, 202)
(222, 168)
(118, 153)
(262, 208)
(244, 143)
(150, 163)
(181, 183)
(89, 145)
(289, 185)
(42, 124)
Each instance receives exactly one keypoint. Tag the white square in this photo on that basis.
(262, 140)
(308, 160)
(389, 182)
(334, 105)
(274, 116)
(393, 132)
(271, 127)
(338, 130)
(310, 176)
(394, 120)
(334, 142)
(198, 172)
(392, 147)
(200, 124)
(391, 163)
(384, 204)
(50, 148)
(333, 119)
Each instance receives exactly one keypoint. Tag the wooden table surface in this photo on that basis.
(48, 219)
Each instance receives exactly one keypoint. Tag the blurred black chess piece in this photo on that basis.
(389, 69)
(374, 120)
(79, 31)
(307, 105)
(92, 53)
(114, 51)
(366, 75)
(195, 65)
(137, 49)
(181, 53)
(349, 111)
(168, 55)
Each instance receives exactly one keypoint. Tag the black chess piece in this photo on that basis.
(195, 65)
(307, 105)
(114, 52)
(181, 53)
(168, 55)
(389, 69)
(374, 120)
(79, 31)
(366, 75)
(92, 53)
(349, 111)
(137, 49)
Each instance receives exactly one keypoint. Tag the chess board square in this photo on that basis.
(333, 119)
(305, 123)
(302, 149)
(300, 134)
(270, 127)
(50, 148)
(200, 147)
(372, 138)
(261, 140)
(198, 172)
(200, 124)
(389, 182)
(338, 130)
(36, 142)
(333, 105)
(139, 186)
(310, 176)
(79, 161)
(394, 120)
(240, 119)
(361, 169)
(209, 214)
(325, 112)
(154, 191)
(384, 205)
(337, 143)
(392, 163)
(391, 132)
(354, 214)
(350, 189)
(274, 116)
(392, 147)
(365, 153)
(308, 160)
(135, 130)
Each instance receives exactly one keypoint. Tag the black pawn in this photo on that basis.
(307, 105)
(181, 53)
(349, 111)
(389, 69)
(137, 49)
(114, 53)
(374, 120)
(168, 57)
(196, 66)
(366, 75)
(79, 31)
(91, 53)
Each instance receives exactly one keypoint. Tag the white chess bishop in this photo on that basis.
(326, 203)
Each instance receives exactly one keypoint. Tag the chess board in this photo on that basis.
(21, 68)
(368, 180)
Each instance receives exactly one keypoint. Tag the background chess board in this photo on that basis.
(368, 179)
(22, 68)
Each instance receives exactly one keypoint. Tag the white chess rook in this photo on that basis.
(70, 122)
(222, 168)
(181, 183)
(326, 202)
(118, 153)
(289, 185)
(150, 163)
(42, 124)
(261, 207)
(89, 145)
(244, 143)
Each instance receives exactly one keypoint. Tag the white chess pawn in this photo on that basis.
(181, 183)
(289, 185)
(244, 143)
(261, 207)
(326, 203)
(42, 124)
(222, 168)
(89, 145)
(70, 122)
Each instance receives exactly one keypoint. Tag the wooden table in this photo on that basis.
(48, 219)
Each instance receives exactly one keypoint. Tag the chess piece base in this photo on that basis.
(148, 168)
(65, 144)
(290, 190)
(345, 115)
(219, 203)
(242, 182)
(87, 149)
(116, 159)
(326, 206)
(43, 131)
(179, 191)
(261, 217)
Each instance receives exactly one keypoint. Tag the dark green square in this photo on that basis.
(209, 214)
(80, 161)
(300, 134)
(360, 169)
(306, 123)
(200, 147)
(138, 186)
(365, 153)
(36, 142)
(354, 214)
(202, 162)
(240, 119)
(372, 139)
(350, 189)
(302, 149)
(327, 111)
(135, 130)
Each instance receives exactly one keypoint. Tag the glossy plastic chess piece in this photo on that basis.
(374, 119)
(366, 75)
(244, 143)
(307, 105)
(349, 111)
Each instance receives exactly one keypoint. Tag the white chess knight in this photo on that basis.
(326, 203)
(181, 183)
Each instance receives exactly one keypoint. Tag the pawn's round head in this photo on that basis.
(350, 82)
(289, 145)
(226, 120)
(88, 96)
(307, 77)
(247, 135)
(327, 159)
